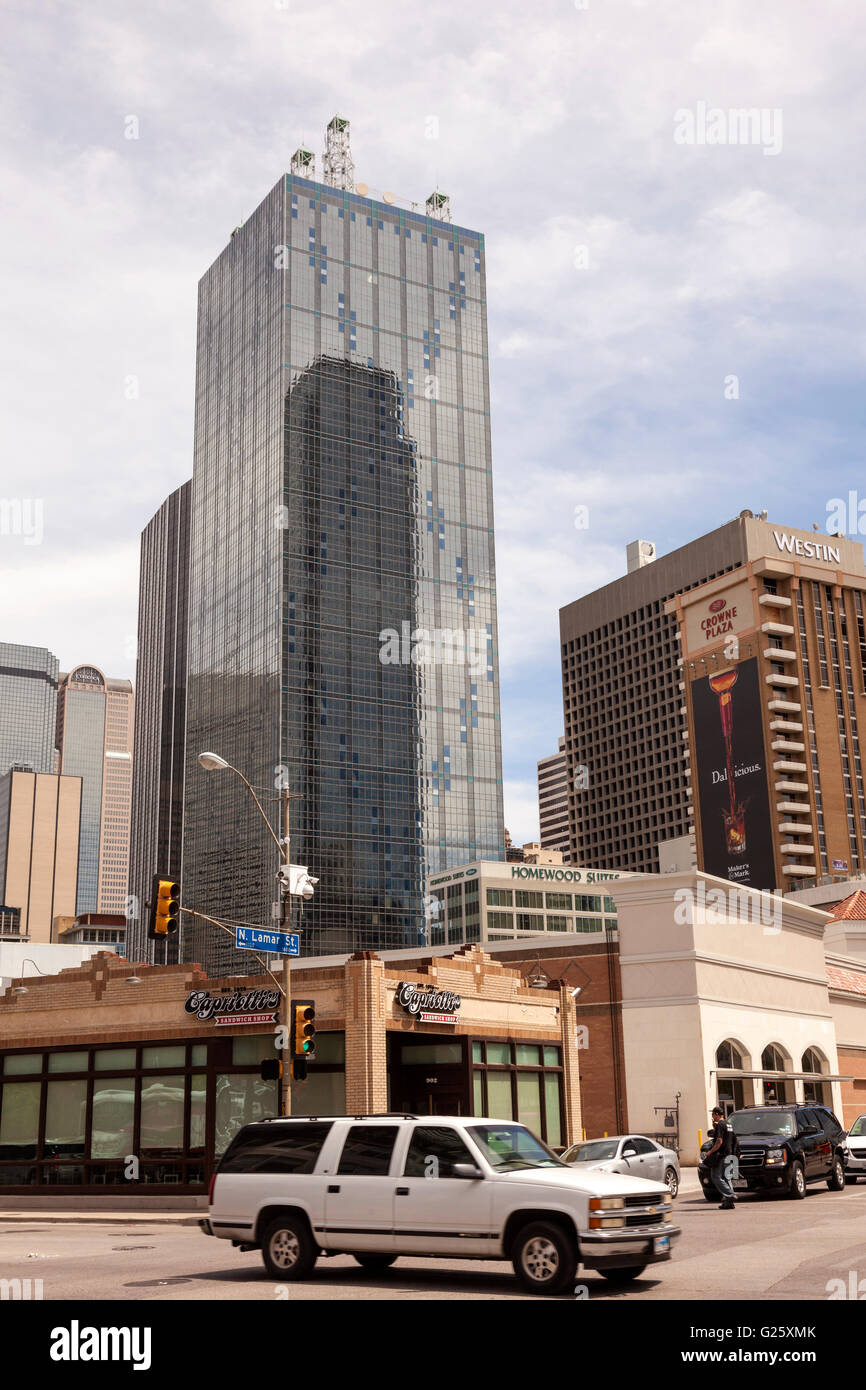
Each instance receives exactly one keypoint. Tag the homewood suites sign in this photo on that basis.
(429, 1005)
(560, 875)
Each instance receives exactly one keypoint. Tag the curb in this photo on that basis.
(160, 1218)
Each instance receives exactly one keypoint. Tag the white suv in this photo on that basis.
(379, 1186)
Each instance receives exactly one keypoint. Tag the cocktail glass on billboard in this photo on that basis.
(735, 818)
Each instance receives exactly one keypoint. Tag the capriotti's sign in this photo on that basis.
(428, 1005)
(244, 1006)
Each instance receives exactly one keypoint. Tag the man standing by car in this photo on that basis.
(715, 1160)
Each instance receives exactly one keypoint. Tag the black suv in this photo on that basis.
(782, 1149)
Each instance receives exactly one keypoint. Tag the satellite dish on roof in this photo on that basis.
(362, 188)
(388, 197)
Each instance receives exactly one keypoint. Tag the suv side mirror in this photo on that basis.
(465, 1170)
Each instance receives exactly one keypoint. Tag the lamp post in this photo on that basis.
(212, 762)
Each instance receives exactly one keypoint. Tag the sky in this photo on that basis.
(675, 297)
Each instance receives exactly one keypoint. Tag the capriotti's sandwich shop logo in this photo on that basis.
(244, 1006)
(428, 1005)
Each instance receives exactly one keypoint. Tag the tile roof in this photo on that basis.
(849, 981)
(853, 908)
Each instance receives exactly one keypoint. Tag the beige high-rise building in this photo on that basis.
(553, 801)
(94, 736)
(39, 825)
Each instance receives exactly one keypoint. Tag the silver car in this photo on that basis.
(628, 1153)
(855, 1150)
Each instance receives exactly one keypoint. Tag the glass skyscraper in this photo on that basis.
(156, 827)
(28, 707)
(343, 635)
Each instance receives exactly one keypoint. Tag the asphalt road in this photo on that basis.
(764, 1249)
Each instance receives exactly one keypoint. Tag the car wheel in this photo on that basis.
(709, 1192)
(797, 1188)
(623, 1276)
(672, 1181)
(836, 1180)
(374, 1263)
(544, 1258)
(288, 1248)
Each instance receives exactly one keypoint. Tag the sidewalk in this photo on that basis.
(105, 1217)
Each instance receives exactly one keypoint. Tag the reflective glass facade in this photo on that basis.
(156, 832)
(342, 588)
(28, 707)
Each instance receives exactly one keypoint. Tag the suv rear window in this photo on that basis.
(275, 1149)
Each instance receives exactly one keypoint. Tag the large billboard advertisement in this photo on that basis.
(732, 776)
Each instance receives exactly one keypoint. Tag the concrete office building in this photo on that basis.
(39, 828)
(484, 902)
(156, 823)
(774, 699)
(28, 707)
(94, 738)
(341, 502)
(627, 768)
(553, 801)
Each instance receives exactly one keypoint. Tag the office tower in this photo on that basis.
(156, 823)
(774, 673)
(94, 738)
(39, 824)
(628, 786)
(553, 801)
(343, 633)
(28, 707)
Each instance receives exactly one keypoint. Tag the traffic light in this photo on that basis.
(164, 908)
(303, 1036)
(271, 1070)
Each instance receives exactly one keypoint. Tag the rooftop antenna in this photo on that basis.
(338, 171)
(304, 163)
(439, 205)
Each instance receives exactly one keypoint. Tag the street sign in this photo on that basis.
(281, 943)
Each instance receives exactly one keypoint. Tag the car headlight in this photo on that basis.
(776, 1156)
(606, 1203)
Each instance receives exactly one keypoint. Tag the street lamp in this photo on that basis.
(212, 762)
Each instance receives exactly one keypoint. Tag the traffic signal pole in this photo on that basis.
(284, 1099)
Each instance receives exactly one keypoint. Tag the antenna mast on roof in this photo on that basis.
(304, 163)
(338, 169)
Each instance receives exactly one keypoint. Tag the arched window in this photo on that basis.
(731, 1093)
(815, 1092)
(776, 1091)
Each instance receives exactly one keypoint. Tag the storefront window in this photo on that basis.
(551, 1105)
(252, 1049)
(528, 1055)
(65, 1119)
(499, 1095)
(477, 1052)
(529, 1100)
(19, 1120)
(67, 1061)
(162, 1115)
(330, 1048)
(112, 1133)
(21, 1063)
(163, 1056)
(551, 1056)
(114, 1059)
(498, 1054)
(197, 1112)
(199, 1055)
(323, 1093)
(431, 1053)
(478, 1107)
(239, 1101)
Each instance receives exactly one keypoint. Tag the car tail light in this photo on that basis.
(210, 1189)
